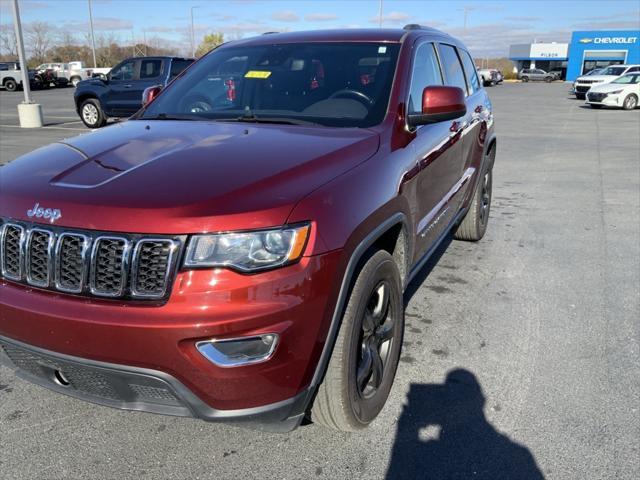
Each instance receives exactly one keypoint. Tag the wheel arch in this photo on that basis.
(80, 99)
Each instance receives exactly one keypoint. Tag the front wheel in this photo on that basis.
(11, 85)
(548, 79)
(474, 225)
(525, 79)
(366, 353)
(91, 114)
(75, 81)
(630, 102)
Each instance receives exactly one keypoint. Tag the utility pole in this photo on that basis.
(93, 39)
(193, 35)
(380, 14)
(466, 13)
(29, 113)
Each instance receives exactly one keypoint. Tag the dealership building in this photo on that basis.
(586, 51)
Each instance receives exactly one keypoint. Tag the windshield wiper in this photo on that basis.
(165, 116)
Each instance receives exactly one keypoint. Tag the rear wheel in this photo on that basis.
(10, 85)
(630, 102)
(91, 114)
(75, 81)
(474, 225)
(366, 353)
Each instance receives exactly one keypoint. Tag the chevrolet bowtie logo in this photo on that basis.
(586, 40)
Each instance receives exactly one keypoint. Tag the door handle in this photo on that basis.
(456, 126)
(128, 85)
(479, 109)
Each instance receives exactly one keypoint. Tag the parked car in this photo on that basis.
(535, 74)
(623, 92)
(584, 83)
(246, 261)
(11, 78)
(490, 76)
(70, 72)
(557, 74)
(49, 77)
(119, 93)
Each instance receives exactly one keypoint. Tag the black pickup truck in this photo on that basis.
(119, 93)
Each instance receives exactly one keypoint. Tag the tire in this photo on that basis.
(474, 225)
(581, 96)
(75, 81)
(593, 105)
(354, 390)
(10, 85)
(548, 79)
(525, 79)
(91, 114)
(630, 102)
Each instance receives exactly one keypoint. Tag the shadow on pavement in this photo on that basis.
(443, 434)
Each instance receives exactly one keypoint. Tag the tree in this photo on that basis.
(8, 43)
(210, 41)
(39, 38)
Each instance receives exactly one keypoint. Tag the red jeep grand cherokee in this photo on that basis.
(238, 250)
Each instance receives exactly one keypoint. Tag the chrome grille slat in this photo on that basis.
(12, 239)
(109, 261)
(88, 262)
(71, 262)
(39, 256)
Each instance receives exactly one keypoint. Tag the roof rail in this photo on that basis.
(269, 33)
(414, 26)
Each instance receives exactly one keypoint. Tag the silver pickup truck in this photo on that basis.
(11, 77)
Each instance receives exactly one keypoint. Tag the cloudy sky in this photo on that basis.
(491, 26)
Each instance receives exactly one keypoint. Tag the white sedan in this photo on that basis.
(623, 92)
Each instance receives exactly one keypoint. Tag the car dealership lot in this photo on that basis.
(539, 315)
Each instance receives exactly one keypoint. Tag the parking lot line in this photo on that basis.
(53, 127)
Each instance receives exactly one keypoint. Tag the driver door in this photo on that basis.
(122, 99)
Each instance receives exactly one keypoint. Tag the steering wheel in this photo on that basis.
(355, 94)
(196, 104)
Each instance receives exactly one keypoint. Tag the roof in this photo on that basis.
(388, 35)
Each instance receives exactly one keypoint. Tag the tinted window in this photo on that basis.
(453, 73)
(150, 68)
(177, 66)
(613, 71)
(470, 70)
(4, 66)
(633, 69)
(332, 84)
(426, 71)
(124, 71)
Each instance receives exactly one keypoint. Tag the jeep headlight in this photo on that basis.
(248, 251)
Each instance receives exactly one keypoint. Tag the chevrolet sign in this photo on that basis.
(610, 40)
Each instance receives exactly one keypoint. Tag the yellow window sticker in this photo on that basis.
(257, 74)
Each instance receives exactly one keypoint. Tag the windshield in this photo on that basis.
(613, 71)
(331, 84)
(628, 79)
(595, 71)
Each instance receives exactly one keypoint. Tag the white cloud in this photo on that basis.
(320, 17)
(285, 16)
(391, 17)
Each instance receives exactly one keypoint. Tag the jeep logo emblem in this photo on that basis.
(51, 214)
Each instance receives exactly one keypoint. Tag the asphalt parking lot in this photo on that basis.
(521, 352)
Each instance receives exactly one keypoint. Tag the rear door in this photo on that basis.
(438, 151)
(151, 73)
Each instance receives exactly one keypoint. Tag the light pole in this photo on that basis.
(93, 39)
(380, 14)
(29, 113)
(193, 35)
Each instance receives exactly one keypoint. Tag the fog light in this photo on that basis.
(236, 352)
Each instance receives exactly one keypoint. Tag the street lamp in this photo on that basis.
(193, 35)
(29, 113)
(93, 39)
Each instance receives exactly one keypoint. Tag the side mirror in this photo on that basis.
(150, 93)
(439, 104)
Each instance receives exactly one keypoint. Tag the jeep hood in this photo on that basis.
(598, 78)
(179, 176)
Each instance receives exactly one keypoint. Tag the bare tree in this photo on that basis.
(39, 35)
(8, 43)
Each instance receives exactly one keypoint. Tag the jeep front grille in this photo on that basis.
(88, 263)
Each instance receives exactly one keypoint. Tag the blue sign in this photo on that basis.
(615, 45)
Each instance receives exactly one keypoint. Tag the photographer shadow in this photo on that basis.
(443, 434)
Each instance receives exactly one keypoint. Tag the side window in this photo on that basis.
(4, 67)
(425, 72)
(470, 71)
(453, 74)
(124, 71)
(633, 69)
(150, 68)
(177, 66)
